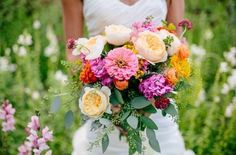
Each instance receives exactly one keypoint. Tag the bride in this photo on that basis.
(99, 13)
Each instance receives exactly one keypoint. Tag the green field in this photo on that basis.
(31, 73)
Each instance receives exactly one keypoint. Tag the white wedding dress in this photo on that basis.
(98, 14)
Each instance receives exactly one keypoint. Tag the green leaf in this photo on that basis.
(55, 104)
(152, 140)
(171, 110)
(140, 102)
(150, 109)
(119, 96)
(133, 121)
(125, 115)
(105, 143)
(149, 122)
(113, 100)
(69, 118)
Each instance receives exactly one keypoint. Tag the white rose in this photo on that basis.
(92, 48)
(95, 102)
(174, 45)
(151, 47)
(117, 34)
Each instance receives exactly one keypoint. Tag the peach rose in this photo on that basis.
(151, 47)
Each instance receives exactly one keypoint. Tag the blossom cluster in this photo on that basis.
(144, 62)
(7, 115)
(37, 139)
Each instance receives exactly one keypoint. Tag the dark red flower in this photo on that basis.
(186, 23)
(162, 103)
(70, 43)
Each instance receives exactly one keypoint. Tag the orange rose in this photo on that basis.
(171, 75)
(121, 85)
(183, 51)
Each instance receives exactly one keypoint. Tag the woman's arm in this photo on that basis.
(73, 21)
(176, 13)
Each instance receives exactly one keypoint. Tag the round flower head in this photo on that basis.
(95, 102)
(156, 85)
(86, 75)
(162, 103)
(121, 63)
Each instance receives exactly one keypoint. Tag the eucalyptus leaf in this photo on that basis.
(171, 110)
(69, 118)
(105, 121)
(119, 96)
(140, 102)
(113, 100)
(125, 115)
(150, 109)
(152, 140)
(149, 122)
(133, 121)
(105, 143)
(56, 104)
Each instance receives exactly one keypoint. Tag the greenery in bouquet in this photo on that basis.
(127, 75)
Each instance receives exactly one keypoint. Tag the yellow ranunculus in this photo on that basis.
(95, 102)
(151, 47)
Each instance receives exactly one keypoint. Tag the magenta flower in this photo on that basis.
(186, 23)
(98, 67)
(121, 63)
(156, 85)
(7, 115)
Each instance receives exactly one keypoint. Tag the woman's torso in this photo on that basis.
(100, 13)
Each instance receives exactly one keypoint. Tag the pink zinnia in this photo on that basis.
(121, 63)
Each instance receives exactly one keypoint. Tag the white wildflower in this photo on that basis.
(224, 67)
(208, 35)
(198, 52)
(201, 97)
(225, 89)
(15, 48)
(53, 47)
(231, 56)
(35, 95)
(61, 77)
(25, 39)
(22, 51)
(4, 64)
(229, 110)
(7, 51)
(232, 80)
(36, 24)
(216, 99)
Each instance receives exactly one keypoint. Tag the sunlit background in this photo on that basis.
(32, 47)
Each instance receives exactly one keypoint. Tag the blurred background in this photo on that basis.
(32, 47)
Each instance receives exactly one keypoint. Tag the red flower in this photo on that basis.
(70, 43)
(186, 23)
(86, 75)
(162, 103)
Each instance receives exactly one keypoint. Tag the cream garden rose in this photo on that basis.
(95, 102)
(92, 48)
(117, 34)
(174, 45)
(151, 47)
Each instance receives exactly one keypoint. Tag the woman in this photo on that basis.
(99, 13)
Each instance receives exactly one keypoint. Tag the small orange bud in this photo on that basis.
(121, 85)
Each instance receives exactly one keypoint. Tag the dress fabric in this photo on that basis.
(98, 14)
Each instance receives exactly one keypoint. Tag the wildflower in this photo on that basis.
(7, 115)
(186, 23)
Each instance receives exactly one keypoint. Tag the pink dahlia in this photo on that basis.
(121, 63)
(156, 85)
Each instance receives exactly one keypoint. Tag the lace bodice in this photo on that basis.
(100, 13)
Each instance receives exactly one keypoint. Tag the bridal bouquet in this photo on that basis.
(127, 74)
